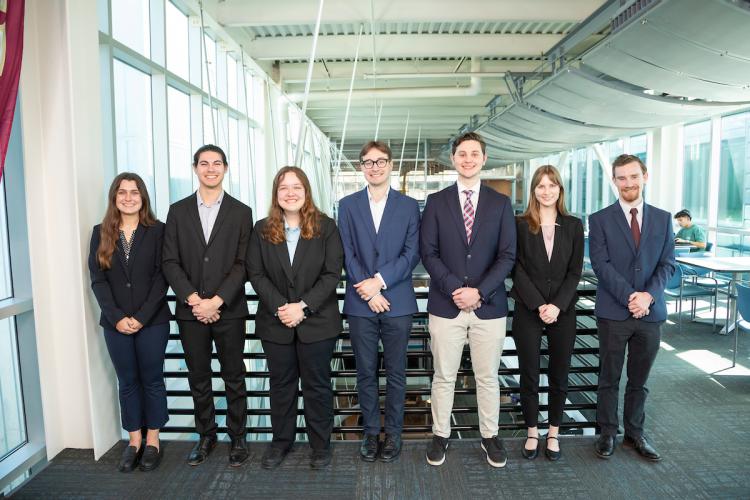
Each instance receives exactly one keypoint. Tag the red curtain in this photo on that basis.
(11, 28)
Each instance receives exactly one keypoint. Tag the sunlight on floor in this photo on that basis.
(710, 362)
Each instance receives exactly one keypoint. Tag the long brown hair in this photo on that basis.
(110, 229)
(531, 215)
(310, 216)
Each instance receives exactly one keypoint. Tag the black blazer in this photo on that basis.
(136, 289)
(537, 280)
(311, 278)
(216, 267)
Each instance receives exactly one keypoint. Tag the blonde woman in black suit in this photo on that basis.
(549, 260)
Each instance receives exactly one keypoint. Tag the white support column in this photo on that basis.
(664, 188)
(713, 178)
(64, 175)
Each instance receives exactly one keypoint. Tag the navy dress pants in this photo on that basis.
(139, 364)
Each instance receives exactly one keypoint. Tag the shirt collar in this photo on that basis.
(627, 206)
(200, 200)
(288, 228)
(369, 195)
(475, 188)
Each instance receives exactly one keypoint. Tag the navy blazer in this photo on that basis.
(482, 263)
(393, 251)
(136, 289)
(312, 277)
(538, 280)
(621, 269)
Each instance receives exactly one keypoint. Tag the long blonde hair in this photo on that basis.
(531, 215)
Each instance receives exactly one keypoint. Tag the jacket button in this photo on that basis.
(466, 278)
(377, 254)
(549, 281)
(468, 256)
(205, 259)
(127, 285)
(291, 284)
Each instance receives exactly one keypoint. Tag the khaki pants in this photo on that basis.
(448, 337)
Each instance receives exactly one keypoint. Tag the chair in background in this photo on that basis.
(678, 288)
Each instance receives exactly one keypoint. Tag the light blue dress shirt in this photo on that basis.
(292, 238)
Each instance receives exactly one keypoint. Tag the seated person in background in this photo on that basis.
(689, 232)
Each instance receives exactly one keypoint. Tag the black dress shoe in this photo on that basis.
(643, 448)
(391, 448)
(273, 456)
(201, 450)
(530, 454)
(552, 455)
(368, 450)
(320, 458)
(150, 459)
(238, 452)
(129, 459)
(605, 446)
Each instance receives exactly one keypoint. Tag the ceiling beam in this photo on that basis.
(410, 45)
(264, 13)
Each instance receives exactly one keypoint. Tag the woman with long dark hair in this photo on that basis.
(549, 260)
(125, 267)
(294, 264)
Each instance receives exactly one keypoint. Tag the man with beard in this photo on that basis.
(632, 252)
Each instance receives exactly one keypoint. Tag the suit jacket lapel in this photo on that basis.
(363, 203)
(482, 211)
(283, 254)
(196, 219)
(624, 224)
(557, 245)
(454, 207)
(302, 245)
(645, 225)
(223, 210)
(388, 213)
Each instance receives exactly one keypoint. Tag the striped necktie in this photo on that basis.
(468, 213)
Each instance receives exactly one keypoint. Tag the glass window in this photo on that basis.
(12, 420)
(234, 158)
(209, 65)
(6, 289)
(597, 194)
(639, 147)
(696, 166)
(231, 82)
(180, 171)
(177, 42)
(582, 171)
(133, 131)
(735, 135)
(130, 24)
(208, 126)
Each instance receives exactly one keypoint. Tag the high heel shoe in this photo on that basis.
(552, 455)
(530, 454)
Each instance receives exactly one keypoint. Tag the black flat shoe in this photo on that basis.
(273, 456)
(129, 459)
(201, 450)
(643, 448)
(320, 458)
(150, 459)
(530, 454)
(368, 450)
(238, 452)
(391, 448)
(551, 455)
(605, 446)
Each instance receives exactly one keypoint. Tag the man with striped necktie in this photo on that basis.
(468, 246)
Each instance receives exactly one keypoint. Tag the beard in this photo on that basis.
(630, 195)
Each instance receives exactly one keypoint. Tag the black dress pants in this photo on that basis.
(527, 334)
(229, 337)
(641, 338)
(287, 364)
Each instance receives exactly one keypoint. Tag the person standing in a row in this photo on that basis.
(548, 268)
(205, 246)
(294, 264)
(126, 277)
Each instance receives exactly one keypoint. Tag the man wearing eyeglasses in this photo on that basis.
(380, 231)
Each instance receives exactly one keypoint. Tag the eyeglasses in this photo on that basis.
(380, 162)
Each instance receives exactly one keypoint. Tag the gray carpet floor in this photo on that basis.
(698, 417)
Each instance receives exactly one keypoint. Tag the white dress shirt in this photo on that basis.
(377, 207)
(626, 210)
(474, 194)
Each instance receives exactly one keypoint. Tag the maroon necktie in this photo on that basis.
(634, 227)
(468, 213)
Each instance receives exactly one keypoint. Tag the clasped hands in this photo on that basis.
(205, 310)
(128, 326)
(369, 291)
(639, 304)
(549, 313)
(291, 315)
(467, 299)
